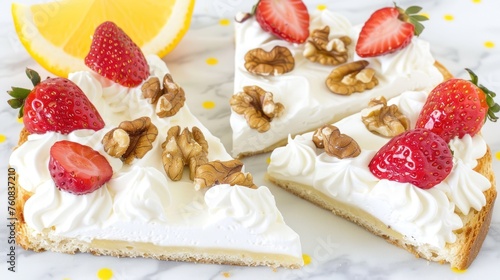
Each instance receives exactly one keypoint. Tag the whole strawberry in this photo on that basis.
(115, 56)
(286, 19)
(55, 104)
(417, 156)
(457, 107)
(77, 168)
(388, 30)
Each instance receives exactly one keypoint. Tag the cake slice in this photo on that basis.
(300, 77)
(374, 180)
(158, 184)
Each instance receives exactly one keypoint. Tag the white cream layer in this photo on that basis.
(308, 102)
(421, 216)
(140, 203)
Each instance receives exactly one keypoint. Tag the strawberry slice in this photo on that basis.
(77, 168)
(286, 19)
(115, 56)
(457, 107)
(388, 30)
(417, 156)
(55, 104)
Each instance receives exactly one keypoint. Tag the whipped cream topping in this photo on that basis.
(140, 203)
(308, 102)
(421, 216)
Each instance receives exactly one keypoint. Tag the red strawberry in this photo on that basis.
(388, 30)
(77, 168)
(115, 56)
(286, 19)
(418, 156)
(457, 107)
(55, 104)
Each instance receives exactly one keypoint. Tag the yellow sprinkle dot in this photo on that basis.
(448, 17)
(224, 22)
(20, 120)
(497, 155)
(321, 7)
(208, 104)
(226, 274)
(212, 61)
(425, 15)
(104, 274)
(268, 160)
(2, 138)
(456, 270)
(489, 44)
(476, 1)
(306, 258)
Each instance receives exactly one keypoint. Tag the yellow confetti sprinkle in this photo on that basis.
(448, 17)
(497, 155)
(268, 160)
(456, 270)
(306, 258)
(476, 1)
(212, 61)
(208, 104)
(20, 120)
(104, 274)
(489, 44)
(321, 7)
(224, 22)
(425, 15)
(226, 274)
(2, 138)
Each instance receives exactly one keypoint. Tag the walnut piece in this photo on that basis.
(327, 52)
(257, 106)
(351, 77)
(168, 100)
(336, 144)
(183, 148)
(275, 62)
(384, 120)
(131, 139)
(222, 172)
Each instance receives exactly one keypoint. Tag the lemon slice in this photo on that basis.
(58, 34)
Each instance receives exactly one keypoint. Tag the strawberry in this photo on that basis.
(55, 104)
(417, 156)
(286, 19)
(77, 168)
(389, 29)
(458, 107)
(115, 56)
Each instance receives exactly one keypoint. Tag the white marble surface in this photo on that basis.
(338, 249)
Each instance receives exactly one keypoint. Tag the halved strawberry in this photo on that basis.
(286, 19)
(77, 168)
(55, 104)
(388, 30)
(115, 56)
(417, 156)
(457, 107)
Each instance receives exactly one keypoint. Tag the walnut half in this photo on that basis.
(351, 77)
(131, 139)
(222, 172)
(183, 148)
(384, 120)
(336, 144)
(275, 62)
(168, 100)
(327, 52)
(257, 106)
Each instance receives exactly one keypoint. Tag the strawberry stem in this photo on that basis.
(20, 94)
(493, 107)
(411, 15)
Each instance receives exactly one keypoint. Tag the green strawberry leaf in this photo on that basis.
(33, 76)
